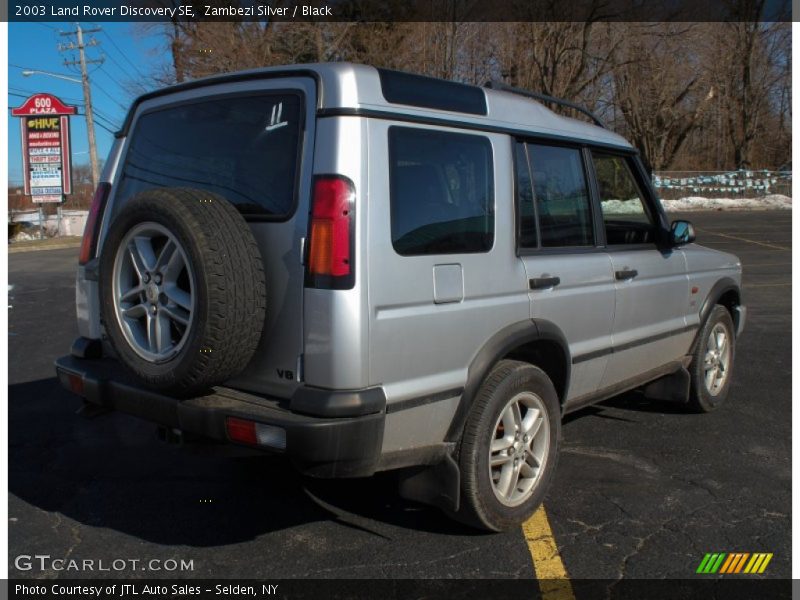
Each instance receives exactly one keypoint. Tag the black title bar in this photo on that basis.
(397, 10)
(707, 588)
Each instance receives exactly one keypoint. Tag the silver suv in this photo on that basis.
(368, 270)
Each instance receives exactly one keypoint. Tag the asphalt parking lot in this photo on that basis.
(643, 489)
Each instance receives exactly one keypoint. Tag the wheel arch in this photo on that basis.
(536, 341)
(725, 292)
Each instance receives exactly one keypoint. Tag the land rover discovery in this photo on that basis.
(367, 270)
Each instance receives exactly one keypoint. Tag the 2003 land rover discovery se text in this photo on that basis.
(368, 270)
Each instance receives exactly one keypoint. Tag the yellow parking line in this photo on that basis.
(553, 581)
(741, 239)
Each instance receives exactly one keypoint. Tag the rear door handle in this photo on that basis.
(543, 283)
(626, 274)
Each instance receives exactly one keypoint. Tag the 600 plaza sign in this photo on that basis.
(46, 160)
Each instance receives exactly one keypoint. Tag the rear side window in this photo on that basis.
(562, 199)
(244, 148)
(442, 199)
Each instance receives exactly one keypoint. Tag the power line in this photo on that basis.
(105, 116)
(122, 54)
(68, 99)
(111, 77)
(109, 121)
(119, 66)
(101, 126)
(117, 102)
(21, 90)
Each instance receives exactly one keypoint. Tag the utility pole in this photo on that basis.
(87, 91)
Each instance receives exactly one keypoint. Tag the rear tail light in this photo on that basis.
(331, 248)
(75, 384)
(242, 431)
(92, 230)
(255, 434)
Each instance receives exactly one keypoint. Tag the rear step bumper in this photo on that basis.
(320, 446)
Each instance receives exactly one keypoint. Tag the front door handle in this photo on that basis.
(626, 274)
(543, 283)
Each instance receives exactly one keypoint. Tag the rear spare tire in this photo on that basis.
(182, 289)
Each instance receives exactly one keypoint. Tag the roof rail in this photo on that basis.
(499, 85)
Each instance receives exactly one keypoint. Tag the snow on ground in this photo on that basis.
(769, 202)
(23, 236)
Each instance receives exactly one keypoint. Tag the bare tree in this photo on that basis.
(659, 88)
(746, 69)
(562, 59)
(701, 95)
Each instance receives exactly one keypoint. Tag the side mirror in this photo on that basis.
(681, 233)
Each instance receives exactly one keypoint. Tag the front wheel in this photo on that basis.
(712, 362)
(509, 448)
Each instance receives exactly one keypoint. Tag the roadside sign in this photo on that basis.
(46, 154)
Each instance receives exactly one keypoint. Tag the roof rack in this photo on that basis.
(499, 85)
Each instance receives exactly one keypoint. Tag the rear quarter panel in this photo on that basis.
(336, 335)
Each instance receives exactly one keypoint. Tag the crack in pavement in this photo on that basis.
(642, 542)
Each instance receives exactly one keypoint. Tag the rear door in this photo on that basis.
(652, 289)
(569, 274)
(252, 143)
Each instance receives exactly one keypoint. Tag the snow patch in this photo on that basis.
(768, 202)
(23, 236)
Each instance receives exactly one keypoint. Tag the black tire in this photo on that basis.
(700, 397)
(480, 506)
(230, 294)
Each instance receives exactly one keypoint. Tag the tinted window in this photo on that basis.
(524, 188)
(562, 201)
(242, 148)
(624, 215)
(416, 90)
(442, 200)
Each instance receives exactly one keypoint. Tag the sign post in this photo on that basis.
(46, 153)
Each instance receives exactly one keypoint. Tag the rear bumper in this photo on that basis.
(319, 446)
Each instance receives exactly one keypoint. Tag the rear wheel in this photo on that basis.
(712, 362)
(182, 289)
(509, 448)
